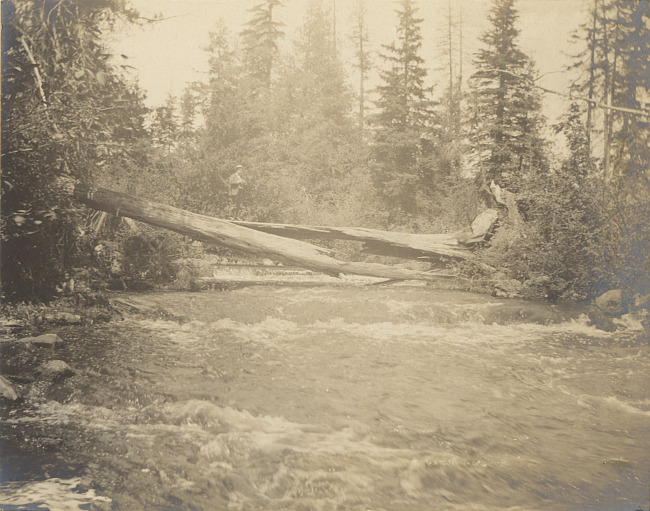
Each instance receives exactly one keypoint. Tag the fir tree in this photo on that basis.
(506, 103)
(632, 87)
(402, 145)
(261, 41)
(164, 125)
(314, 153)
(188, 105)
(320, 91)
(403, 97)
(615, 63)
(230, 112)
(362, 63)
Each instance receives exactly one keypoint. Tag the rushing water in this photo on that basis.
(337, 399)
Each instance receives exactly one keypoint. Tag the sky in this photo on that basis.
(170, 53)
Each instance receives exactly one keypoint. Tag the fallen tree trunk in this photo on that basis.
(395, 244)
(224, 232)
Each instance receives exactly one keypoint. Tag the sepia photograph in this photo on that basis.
(325, 255)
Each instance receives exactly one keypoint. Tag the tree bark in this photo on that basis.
(244, 238)
(432, 247)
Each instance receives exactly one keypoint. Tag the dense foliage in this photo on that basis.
(587, 228)
(65, 112)
(315, 152)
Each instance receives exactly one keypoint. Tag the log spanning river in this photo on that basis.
(326, 398)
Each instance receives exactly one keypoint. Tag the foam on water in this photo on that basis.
(327, 399)
(627, 407)
(413, 331)
(52, 494)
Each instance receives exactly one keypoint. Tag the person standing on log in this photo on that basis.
(235, 184)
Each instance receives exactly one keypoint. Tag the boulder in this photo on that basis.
(602, 321)
(536, 287)
(505, 287)
(7, 390)
(54, 369)
(63, 318)
(42, 340)
(612, 303)
(484, 222)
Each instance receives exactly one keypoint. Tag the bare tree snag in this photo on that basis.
(229, 234)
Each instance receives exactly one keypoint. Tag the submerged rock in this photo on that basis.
(42, 340)
(54, 369)
(602, 321)
(7, 390)
(63, 318)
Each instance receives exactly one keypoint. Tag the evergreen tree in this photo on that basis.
(615, 65)
(403, 98)
(453, 141)
(506, 103)
(320, 90)
(164, 125)
(632, 88)
(403, 143)
(587, 58)
(188, 106)
(312, 162)
(230, 105)
(234, 111)
(261, 41)
(452, 47)
(362, 63)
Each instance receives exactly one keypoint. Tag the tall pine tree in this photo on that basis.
(320, 85)
(314, 156)
(260, 40)
(362, 54)
(506, 104)
(632, 87)
(402, 144)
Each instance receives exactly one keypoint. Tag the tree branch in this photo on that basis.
(37, 73)
(596, 103)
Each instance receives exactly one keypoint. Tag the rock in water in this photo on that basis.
(601, 321)
(42, 340)
(6, 390)
(63, 318)
(611, 303)
(505, 287)
(54, 369)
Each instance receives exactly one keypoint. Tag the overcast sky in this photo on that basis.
(168, 54)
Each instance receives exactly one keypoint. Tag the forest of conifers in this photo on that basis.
(318, 149)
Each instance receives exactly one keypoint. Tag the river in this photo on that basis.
(328, 398)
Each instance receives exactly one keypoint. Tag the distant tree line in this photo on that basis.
(316, 149)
